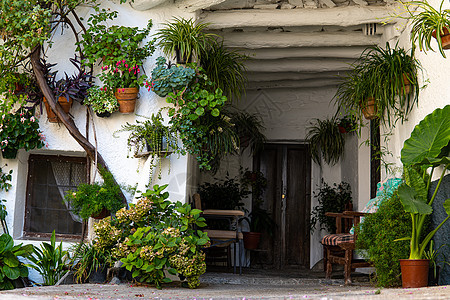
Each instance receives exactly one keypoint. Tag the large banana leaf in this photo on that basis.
(428, 138)
(411, 202)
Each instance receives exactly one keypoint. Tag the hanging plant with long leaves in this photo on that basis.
(325, 141)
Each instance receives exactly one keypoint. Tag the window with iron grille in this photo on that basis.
(49, 177)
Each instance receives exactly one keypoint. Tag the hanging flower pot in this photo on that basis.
(102, 214)
(406, 88)
(66, 105)
(414, 272)
(9, 153)
(369, 108)
(445, 38)
(127, 99)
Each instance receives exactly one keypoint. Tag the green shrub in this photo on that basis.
(376, 235)
(11, 268)
(154, 235)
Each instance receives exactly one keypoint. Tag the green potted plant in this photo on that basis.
(429, 22)
(346, 124)
(102, 101)
(325, 141)
(157, 139)
(185, 38)
(11, 268)
(90, 263)
(123, 52)
(428, 147)
(19, 130)
(378, 83)
(336, 198)
(95, 200)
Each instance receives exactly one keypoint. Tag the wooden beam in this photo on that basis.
(194, 5)
(337, 16)
(145, 4)
(293, 84)
(329, 52)
(271, 76)
(298, 65)
(255, 40)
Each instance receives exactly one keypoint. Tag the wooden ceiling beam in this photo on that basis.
(336, 16)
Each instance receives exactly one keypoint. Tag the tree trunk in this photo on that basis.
(65, 119)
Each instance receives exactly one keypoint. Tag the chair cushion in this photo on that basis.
(336, 239)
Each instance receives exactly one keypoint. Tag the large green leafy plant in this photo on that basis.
(11, 268)
(155, 235)
(428, 147)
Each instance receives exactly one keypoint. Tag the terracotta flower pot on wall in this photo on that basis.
(414, 272)
(127, 99)
(51, 116)
(369, 108)
(445, 38)
(406, 89)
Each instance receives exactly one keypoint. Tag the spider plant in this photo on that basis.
(249, 128)
(428, 23)
(384, 74)
(225, 68)
(325, 141)
(184, 38)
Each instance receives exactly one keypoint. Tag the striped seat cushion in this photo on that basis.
(336, 239)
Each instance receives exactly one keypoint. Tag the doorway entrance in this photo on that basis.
(287, 198)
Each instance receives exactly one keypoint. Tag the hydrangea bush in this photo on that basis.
(156, 235)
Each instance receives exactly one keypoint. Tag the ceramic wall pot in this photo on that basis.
(127, 99)
(66, 105)
(369, 109)
(251, 240)
(445, 38)
(414, 272)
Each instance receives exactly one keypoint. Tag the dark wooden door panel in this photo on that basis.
(287, 198)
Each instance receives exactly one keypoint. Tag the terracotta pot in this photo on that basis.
(406, 89)
(342, 129)
(445, 38)
(251, 240)
(51, 116)
(101, 215)
(127, 99)
(369, 108)
(414, 272)
(8, 153)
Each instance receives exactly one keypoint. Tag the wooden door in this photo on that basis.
(287, 168)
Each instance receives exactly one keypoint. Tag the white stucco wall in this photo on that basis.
(435, 95)
(127, 171)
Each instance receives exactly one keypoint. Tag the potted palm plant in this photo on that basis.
(429, 22)
(378, 85)
(428, 147)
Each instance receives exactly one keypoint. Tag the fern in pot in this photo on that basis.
(153, 136)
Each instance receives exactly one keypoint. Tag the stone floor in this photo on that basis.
(253, 284)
